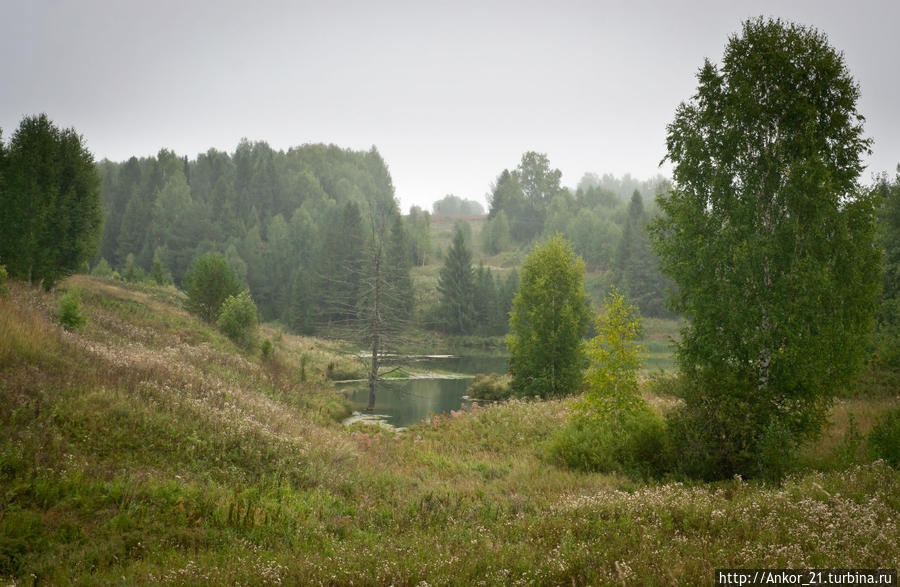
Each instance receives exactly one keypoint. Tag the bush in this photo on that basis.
(4, 290)
(132, 272)
(716, 434)
(637, 445)
(884, 439)
(238, 320)
(158, 272)
(344, 371)
(266, 350)
(102, 269)
(69, 313)
(490, 387)
(776, 454)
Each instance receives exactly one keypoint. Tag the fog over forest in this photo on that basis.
(449, 95)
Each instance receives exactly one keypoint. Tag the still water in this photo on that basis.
(402, 403)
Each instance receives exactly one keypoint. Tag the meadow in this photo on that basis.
(146, 448)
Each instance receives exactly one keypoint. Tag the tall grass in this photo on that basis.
(147, 449)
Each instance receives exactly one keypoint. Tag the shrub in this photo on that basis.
(714, 435)
(266, 349)
(884, 439)
(238, 319)
(69, 313)
(132, 272)
(4, 290)
(490, 387)
(344, 371)
(102, 269)
(158, 272)
(637, 445)
(776, 452)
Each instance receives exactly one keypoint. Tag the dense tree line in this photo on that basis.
(473, 301)
(291, 223)
(605, 226)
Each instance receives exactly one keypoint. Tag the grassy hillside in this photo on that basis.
(145, 448)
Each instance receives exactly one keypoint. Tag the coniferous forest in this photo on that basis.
(294, 226)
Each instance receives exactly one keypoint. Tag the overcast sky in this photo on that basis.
(450, 93)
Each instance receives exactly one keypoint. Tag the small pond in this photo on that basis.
(405, 402)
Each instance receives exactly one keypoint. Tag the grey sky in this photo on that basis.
(451, 93)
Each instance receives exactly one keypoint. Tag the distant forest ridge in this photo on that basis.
(289, 220)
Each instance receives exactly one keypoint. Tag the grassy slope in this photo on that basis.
(145, 448)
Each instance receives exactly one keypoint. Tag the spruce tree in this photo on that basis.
(457, 287)
(52, 211)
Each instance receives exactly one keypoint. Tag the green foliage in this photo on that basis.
(266, 350)
(636, 265)
(272, 213)
(491, 387)
(887, 332)
(495, 235)
(850, 450)
(301, 314)
(451, 205)
(769, 242)
(132, 272)
(69, 311)
(419, 224)
(4, 289)
(398, 283)
(884, 439)
(776, 452)
(208, 283)
(102, 269)
(341, 264)
(525, 194)
(636, 445)
(238, 320)
(456, 285)
(548, 319)
(613, 428)
(197, 467)
(614, 355)
(158, 272)
(51, 214)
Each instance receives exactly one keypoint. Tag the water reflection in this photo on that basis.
(402, 403)
(406, 402)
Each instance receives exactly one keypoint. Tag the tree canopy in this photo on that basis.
(208, 283)
(456, 286)
(51, 213)
(769, 240)
(549, 317)
(451, 205)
